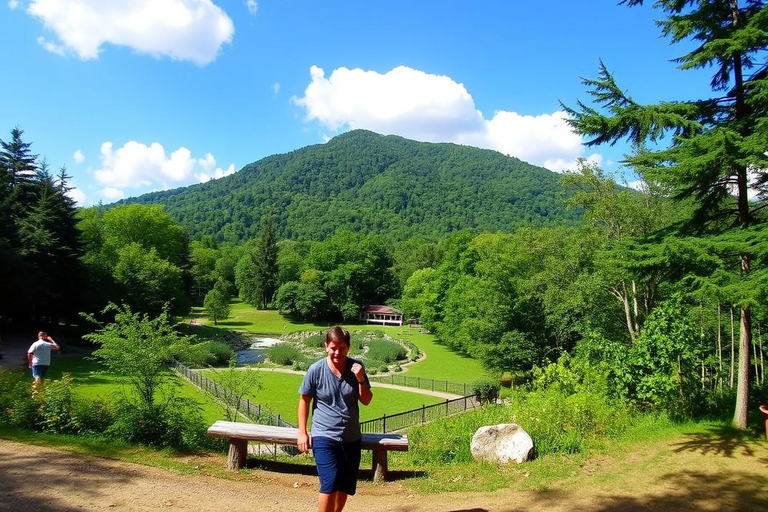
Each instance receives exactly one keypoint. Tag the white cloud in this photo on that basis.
(276, 87)
(77, 196)
(252, 6)
(192, 30)
(218, 173)
(138, 166)
(112, 194)
(435, 108)
(78, 157)
(51, 47)
(12, 4)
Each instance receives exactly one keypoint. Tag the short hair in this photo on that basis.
(42, 333)
(337, 334)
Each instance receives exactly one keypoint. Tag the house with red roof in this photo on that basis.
(382, 315)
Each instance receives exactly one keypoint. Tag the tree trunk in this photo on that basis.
(742, 391)
(733, 347)
(719, 348)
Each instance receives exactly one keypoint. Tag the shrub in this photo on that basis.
(283, 354)
(207, 353)
(486, 390)
(385, 351)
(315, 341)
(171, 423)
(56, 413)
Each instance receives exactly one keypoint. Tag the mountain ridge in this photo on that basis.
(364, 181)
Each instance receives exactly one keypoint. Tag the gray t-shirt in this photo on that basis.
(335, 409)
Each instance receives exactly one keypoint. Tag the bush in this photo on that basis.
(385, 351)
(315, 341)
(283, 354)
(486, 390)
(173, 423)
(207, 353)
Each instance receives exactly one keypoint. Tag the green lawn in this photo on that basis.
(279, 394)
(441, 362)
(91, 381)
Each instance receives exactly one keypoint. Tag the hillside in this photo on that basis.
(364, 181)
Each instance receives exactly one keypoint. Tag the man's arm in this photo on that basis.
(55, 345)
(29, 359)
(304, 441)
(365, 394)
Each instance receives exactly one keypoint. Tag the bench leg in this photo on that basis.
(238, 450)
(379, 465)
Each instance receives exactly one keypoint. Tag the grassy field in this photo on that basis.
(91, 381)
(279, 394)
(441, 362)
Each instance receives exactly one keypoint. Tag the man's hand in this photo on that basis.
(359, 372)
(304, 442)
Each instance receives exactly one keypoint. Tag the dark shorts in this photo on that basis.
(337, 464)
(39, 370)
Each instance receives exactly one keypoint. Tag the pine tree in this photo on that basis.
(265, 259)
(718, 144)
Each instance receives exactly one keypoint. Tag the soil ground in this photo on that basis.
(698, 472)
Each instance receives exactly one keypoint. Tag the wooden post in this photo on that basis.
(379, 465)
(238, 450)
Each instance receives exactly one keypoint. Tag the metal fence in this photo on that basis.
(252, 411)
(423, 383)
(386, 423)
(420, 416)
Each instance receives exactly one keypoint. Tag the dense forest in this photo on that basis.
(657, 298)
(366, 182)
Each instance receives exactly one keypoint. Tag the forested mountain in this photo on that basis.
(367, 182)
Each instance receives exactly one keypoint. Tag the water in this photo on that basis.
(256, 353)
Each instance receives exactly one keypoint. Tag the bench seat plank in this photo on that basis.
(240, 433)
(289, 436)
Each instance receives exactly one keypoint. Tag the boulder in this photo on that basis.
(502, 443)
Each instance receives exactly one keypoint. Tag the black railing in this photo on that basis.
(420, 416)
(252, 411)
(424, 383)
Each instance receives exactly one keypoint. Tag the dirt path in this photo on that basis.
(698, 473)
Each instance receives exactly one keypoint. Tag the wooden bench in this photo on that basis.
(240, 433)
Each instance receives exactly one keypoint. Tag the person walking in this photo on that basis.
(334, 386)
(39, 356)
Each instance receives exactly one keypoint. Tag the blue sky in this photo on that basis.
(141, 95)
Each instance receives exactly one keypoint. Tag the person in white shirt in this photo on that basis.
(39, 356)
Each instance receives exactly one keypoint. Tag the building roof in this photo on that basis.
(381, 310)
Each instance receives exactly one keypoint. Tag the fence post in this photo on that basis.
(433, 384)
(446, 407)
(384, 424)
(418, 382)
(465, 389)
(423, 414)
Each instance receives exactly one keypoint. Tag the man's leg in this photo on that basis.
(341, 500)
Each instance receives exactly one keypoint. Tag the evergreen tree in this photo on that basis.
(717, 150)
(265, 260)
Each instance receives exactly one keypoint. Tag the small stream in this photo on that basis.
(256, 352)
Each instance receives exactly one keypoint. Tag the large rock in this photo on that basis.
(502, 443)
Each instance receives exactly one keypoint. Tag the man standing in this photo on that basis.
(39, 356)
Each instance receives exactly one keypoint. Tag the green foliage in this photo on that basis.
(665, 358)
(40, 246)
(384, 351)
(172, 422)
(135, 254)
(216, 306)
(371, 183)
(486, 390)
(237, 384)
(206, 353)
(138, 348)
(283, 354)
